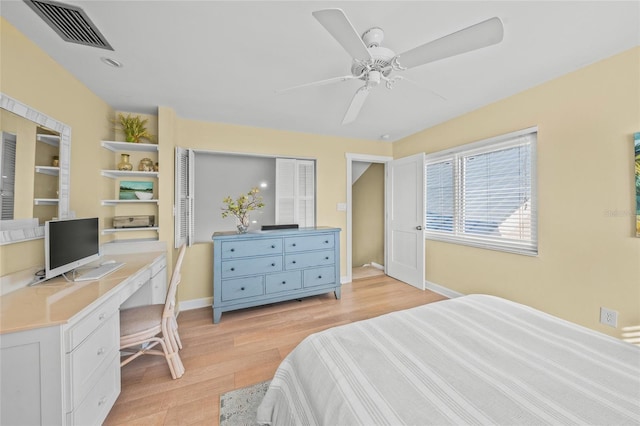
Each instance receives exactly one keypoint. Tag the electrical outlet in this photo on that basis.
(608, 317)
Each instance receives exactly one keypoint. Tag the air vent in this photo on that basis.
(70, 22)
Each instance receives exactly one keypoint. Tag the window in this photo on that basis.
(295, 192)
(483, 194)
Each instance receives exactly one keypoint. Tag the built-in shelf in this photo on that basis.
(129, 146)
(115, 174)
(116, 202)
(52, 140)
(48, 170)
(45, 201)
(114, 230)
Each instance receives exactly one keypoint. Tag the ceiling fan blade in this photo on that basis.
(356, 105)
(483, 34)
(339, 26)
(421, 86)
(320, 83)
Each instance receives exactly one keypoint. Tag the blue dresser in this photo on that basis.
(272, 266)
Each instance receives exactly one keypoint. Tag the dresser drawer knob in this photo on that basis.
(102, 316)
(293, 261)
(326, 258)
(319, 277)
(294, 244)
(233, 269)
(326, 241)
(102, 401)
(273, 246)
(101, 351)
(242, 288)
(273, 264)
(284, 282)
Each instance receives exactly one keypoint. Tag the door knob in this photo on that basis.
(419, 228)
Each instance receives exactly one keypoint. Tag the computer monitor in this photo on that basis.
(69, 244)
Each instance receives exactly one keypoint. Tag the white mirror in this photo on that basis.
(39, 189)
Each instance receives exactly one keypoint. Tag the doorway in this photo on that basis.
(365, 215)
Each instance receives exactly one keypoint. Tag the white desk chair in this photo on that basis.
(144, 327)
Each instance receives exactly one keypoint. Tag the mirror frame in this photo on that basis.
(64, 178)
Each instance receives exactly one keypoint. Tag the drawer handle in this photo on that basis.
(326, 241)
(326, 258)
(273, 246)
(233, 269)
(233, 250)
(294, 244)
(293, 261)
(101, 316)
(101, 351)
(242, 288)
(102, 401)
(319, 277)
(284, 282)
(273, 264)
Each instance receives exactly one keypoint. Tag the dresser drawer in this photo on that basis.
(305, 260)
(98, 402)
(258, 265)
(234, 249)
(314, 242)
(319, 276)
(242, 288)
(89, 360)
(88, 324)
(283, 282)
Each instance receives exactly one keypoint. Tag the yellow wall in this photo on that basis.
(331, 172)
(32, 77)
(367, 200)
(588, 255)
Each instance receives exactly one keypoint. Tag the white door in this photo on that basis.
(405, 220)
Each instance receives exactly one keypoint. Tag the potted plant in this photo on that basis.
(134, 128)
(241, 206)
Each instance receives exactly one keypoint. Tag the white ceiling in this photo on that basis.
(223, 61)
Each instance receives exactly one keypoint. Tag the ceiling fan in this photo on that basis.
(373, 63)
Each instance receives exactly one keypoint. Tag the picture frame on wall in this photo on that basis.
(636, 145)
(136, 190)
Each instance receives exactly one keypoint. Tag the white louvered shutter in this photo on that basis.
(7, 176)
(295, 192)
(183, 207)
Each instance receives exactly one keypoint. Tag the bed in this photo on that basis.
(475, 359)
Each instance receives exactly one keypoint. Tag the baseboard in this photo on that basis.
(451, 294)
(187, 305)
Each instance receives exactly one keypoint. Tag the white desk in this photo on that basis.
(59, 343)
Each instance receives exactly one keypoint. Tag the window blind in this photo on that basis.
(295, 191)
(7, 176)
(483, 194)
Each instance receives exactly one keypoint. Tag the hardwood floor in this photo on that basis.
(245, 348)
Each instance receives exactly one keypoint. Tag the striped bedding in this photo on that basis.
(472, 360)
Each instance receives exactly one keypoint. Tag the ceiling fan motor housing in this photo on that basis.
(382, 58)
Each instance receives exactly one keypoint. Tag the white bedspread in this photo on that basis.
(472, 360)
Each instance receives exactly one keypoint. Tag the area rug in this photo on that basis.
(239, 407)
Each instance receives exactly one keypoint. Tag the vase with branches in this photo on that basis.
(241, 207)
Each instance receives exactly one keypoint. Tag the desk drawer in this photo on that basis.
(235, 249)
(242, 288)
(88, 361)
(314, 242)
(305, 260)
(91, 322)
(258, 265)
(98, 402)
(158, 266)
(319, 276)
(285, 281)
